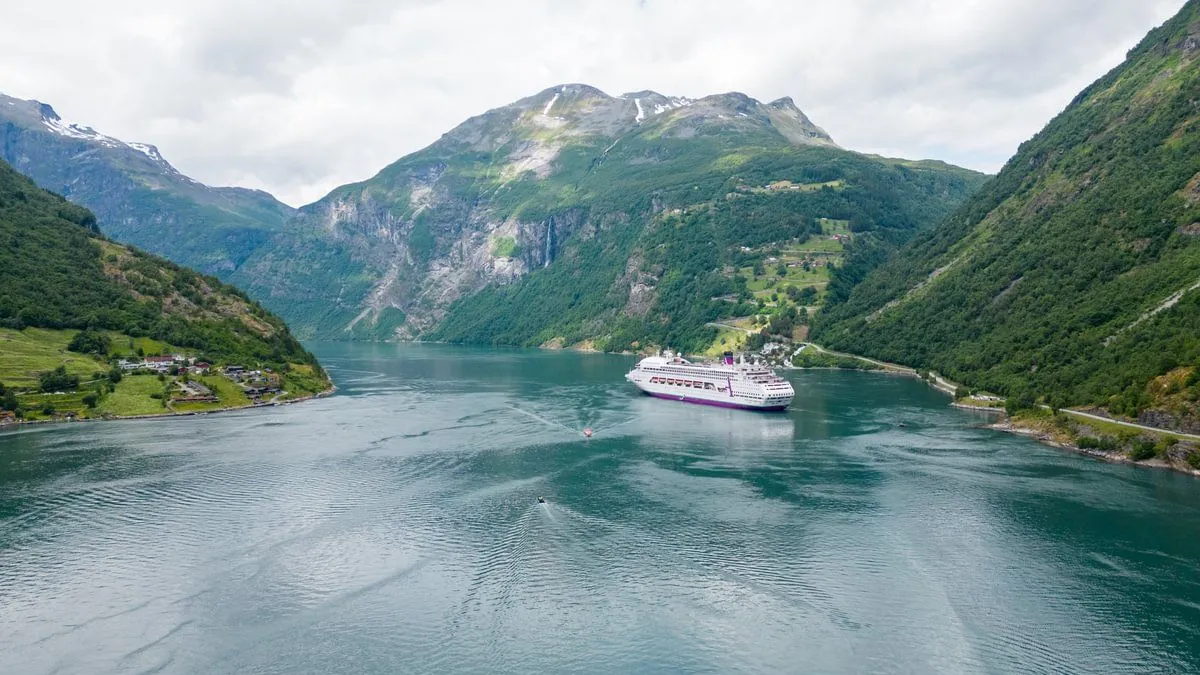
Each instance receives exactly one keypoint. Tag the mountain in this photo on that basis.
(138, 197)
(575, 217)
(1074, 276)
(61, 279)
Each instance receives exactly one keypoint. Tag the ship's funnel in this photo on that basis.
(728, 358)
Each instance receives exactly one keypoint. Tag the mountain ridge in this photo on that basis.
(1070, 278)
(498, 197)
(137, 195)
(562, 163)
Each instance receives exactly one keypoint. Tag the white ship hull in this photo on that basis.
(744, 386)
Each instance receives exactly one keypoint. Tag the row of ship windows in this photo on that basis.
(695, 384)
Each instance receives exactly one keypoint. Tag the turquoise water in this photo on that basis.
(395, 528)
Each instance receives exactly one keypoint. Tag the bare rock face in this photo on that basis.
(1163, 419)
(567, 178)
(445, 222)
(795, 125)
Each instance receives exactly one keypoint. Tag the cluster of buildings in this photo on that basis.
(256, 383)
(164, 364)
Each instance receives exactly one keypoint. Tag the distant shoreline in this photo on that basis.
(13, 426)
(944, 386)
(1008, 426)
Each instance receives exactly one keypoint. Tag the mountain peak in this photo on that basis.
(47, 111)
(33, 114)
(572, 110)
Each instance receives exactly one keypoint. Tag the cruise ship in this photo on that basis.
(727, 384)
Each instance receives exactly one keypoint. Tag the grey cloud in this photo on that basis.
(297, 98)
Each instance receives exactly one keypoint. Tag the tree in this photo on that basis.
(758, 268)
(781, 270)
(1018, 402)
(91, 399)
(115, 375)
(48, 408)
(90, 341)
(58, 380)
(9, 401)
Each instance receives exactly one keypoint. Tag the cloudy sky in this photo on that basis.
(299, 97)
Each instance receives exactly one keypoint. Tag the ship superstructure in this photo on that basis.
(727, 383)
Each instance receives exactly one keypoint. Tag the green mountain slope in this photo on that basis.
(572, 216)
(1073, 276)
(59, 276)
(137, 196)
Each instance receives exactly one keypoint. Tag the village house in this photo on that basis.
(159, 364)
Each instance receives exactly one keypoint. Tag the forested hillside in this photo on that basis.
(577, 217)
(1072, 278)
(570, 217)
(659, 276)
(62, 281)
(137, 196)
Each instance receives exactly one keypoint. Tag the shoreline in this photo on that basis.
(1112, 457)
(1006, 424)
(18, 424)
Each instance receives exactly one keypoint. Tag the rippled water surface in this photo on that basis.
(395, 528)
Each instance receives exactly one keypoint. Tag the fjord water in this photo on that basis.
(395, 527)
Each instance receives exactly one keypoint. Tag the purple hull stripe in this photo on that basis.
(719, 404)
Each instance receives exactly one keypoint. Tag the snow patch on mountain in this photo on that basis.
(671, 104)
(63, 128)
(147, 150)
(58, 125)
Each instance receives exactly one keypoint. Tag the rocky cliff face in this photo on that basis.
(568, 181)
(137, 196)
(502, 195)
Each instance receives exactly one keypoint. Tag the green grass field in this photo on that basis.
(124, 346)
(817, 250)
(132, 397)
(225, 389)
(727, 340)
(26, 353)
(302, 380)
(63, 404)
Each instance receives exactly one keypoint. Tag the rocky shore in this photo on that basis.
(1177, 456)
